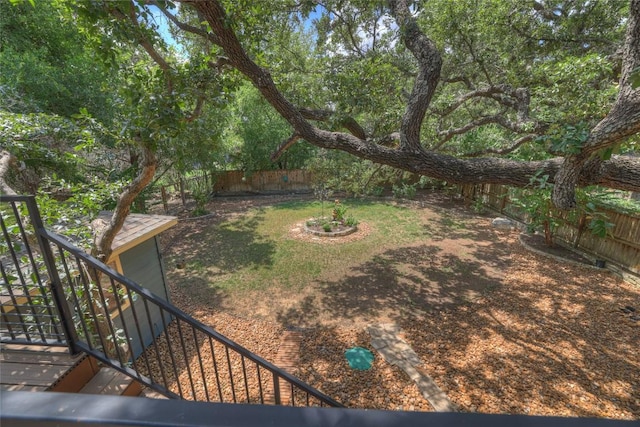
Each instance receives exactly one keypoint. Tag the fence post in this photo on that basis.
(182, 195)
(54, 279)
(165, 204)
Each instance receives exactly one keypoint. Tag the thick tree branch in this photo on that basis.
(197, 110)
(429, 65)
(387, 140)
(498, 119)
(458, 79)
(618, 172)
(481, 121)
(623, 119)
(488, 92)
(515, 99)
(104, 240)
(348, 123)
(284, 146)
(6, 162)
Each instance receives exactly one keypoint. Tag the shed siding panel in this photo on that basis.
(142, 264)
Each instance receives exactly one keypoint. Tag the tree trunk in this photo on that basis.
(6, 161)
(102, 247)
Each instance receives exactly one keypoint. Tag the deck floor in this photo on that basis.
(34, 368)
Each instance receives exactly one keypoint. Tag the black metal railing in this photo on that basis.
(28, 311)
(140, 334)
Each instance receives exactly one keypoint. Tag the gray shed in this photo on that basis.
(136, 255)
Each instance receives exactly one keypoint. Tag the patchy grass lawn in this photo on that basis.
(402, 260)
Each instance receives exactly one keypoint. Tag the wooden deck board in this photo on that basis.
(37, 368)
(36, 358)
(19, 373)
(8, 348)
(22, 387)
(110, 381)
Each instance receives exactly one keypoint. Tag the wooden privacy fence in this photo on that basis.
(238, 182)
(274, 180)
(621, 245)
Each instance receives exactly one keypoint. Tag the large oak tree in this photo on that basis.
(586, 163)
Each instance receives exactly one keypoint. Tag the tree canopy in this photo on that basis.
(491, 91)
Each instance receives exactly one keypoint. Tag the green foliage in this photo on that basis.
(351, 221)
(590, 201)
(635, 78)
(200, 192)
(560, 51)
(339, 211)
(617, 202)
(575, 89)
(404, 190)
(52, 146)
(567, 139)
(47, 65)
(340, 171)
(535, 201)
(83, 202)
(257, 130)
(479, 205)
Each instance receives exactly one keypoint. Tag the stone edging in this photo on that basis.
(558, 258)
(332, 233)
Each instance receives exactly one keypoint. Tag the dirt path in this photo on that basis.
(499, 329)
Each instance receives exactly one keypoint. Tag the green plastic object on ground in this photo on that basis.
(359, 358)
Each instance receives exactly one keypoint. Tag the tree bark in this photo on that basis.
(6, 161)
(148, 163)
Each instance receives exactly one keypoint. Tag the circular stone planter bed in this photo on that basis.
(338, 229)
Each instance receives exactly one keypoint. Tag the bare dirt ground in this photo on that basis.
(499, 329)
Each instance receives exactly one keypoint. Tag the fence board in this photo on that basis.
(276, 180)
(621, 246)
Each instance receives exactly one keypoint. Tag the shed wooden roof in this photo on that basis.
(137, 228)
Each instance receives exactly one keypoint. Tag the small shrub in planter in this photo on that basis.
(337, 223)
(351, 221)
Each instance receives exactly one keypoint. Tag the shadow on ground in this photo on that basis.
(407, 281)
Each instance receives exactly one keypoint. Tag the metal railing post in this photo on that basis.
(54, 278)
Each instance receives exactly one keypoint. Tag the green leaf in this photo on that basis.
(606, 153)
(635, 78)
